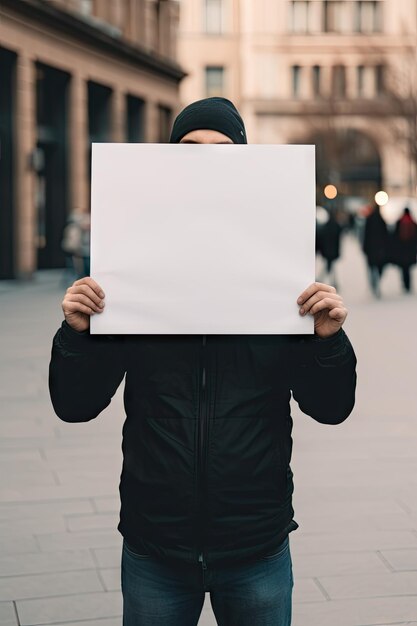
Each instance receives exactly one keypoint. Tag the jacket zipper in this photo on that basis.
(202, 434)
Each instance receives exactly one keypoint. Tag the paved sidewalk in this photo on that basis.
(355, 553)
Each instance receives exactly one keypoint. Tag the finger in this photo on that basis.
(316, 298)
(89, 281)
(79, 297)
(325, 303)
(339, 314)
(78, 307)
(86, 290)
(312, 289)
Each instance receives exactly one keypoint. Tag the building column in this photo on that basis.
(25, 219)
(118, 116)
(316, 17)
(78, 143)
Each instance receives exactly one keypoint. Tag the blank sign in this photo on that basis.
(202, 239)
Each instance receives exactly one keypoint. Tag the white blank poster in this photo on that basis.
(202, 239)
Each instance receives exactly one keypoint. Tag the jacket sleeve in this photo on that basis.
(84, 372)
(323, 373)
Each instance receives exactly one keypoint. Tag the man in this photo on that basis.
(206, 485)
(375, 247)
(405, 242)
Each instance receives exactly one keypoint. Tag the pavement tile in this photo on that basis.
(31, 525)
(25, 427)
(56, 584)
(409, 501)
(352, 521)
(353, 541)
(8, 614)
(74, 541)
(90, 463)
(356, 612)
(18, 544)
(86, 606)
(56, 492)
(105, 505)
(307, 590)
(30, 381)
(349, 510)
(365, 586)
(401, 560)
(43, 510)
(55, 454)
(337, 564)
(347, 493)
(99, 521)
(392, 624)
(111, 578)
(23, 480)
(7, 456)
(25, 465)
(98, 475)
(43, 562)
(106, 621)
(108, 557)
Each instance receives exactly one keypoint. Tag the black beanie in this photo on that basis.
(213, 114)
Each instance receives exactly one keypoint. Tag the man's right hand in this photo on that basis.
(82, 299)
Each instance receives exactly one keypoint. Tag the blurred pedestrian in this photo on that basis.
(330, 233)
(405, 245)
(375, 247)
(70, 244)
(322, 217)
(84, 249)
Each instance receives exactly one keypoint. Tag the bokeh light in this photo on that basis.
(381, 198)
(330, 192)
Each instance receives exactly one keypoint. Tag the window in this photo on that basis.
(213, 16)
(339, 81)
(333, 15)
(165, 119)
(316, 80)
(296, 80)
(214, 81)
(135, 114)
(300, 14)
(368, 16)
(379, 79)
(360, 75)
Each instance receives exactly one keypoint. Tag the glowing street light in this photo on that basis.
(330, 192)
(381, 198)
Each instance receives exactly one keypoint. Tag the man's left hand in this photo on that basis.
(326, 305)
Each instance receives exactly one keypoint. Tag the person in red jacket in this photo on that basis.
(206, 485)
(405, 236)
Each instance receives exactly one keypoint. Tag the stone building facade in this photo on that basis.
(73, 72)
(314, 71)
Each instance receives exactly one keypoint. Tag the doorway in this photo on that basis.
(50, 161)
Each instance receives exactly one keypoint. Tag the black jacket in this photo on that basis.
(207, 436)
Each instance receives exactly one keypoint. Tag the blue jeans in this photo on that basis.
(162, 593)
